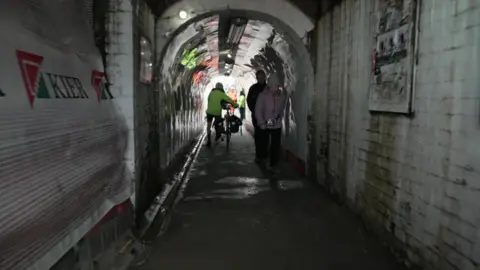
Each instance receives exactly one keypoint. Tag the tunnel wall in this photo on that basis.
(294, 25)
(148, 182)
(180, 113)
(413, 178)
(298, 105)
(181, 118)
(120, 68)
(62, 136)
(289, 59)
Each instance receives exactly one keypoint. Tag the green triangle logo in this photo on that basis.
(42, 91)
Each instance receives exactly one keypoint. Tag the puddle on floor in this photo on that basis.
(235, 193)
(235, 180)
(289, 184)
(244, 187)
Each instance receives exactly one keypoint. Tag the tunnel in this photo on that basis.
(104, 161)
(259, 42)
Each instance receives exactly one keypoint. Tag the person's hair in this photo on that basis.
(273, 79)
(219, 85)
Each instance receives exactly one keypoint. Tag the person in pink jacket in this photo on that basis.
(269, 112)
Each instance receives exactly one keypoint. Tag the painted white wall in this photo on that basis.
(120, 71)
(415, 178)
(120, 65)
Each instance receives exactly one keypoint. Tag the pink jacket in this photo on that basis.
(270, 105)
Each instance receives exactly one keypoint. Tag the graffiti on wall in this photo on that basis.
(393, 56)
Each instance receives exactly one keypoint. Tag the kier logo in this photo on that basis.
(40, 85)
(97, 83)
(30, 67)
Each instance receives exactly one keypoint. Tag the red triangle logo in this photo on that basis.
(96, 81)
(30, 67)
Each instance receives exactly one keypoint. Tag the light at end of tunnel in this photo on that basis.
(182, 14)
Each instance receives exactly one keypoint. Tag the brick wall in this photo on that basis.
(120, 63)
(415, 179)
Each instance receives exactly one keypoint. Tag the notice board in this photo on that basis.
(393, 56)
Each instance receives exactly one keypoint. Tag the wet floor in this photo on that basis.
(233, 218)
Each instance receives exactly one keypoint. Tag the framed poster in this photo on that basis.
(393, 56)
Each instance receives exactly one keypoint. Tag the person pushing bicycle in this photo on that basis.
(214, 109)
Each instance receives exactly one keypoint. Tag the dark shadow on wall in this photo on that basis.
(171, 125)
(269, 60)
(100, 9)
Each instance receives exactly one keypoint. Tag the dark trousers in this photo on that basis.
(269, 143)
(256, 137)
(242, 113)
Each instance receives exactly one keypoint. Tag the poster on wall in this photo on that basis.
(393, 56)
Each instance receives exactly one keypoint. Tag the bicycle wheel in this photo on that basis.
(229, 134)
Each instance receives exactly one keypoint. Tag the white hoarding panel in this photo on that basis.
(62, 140)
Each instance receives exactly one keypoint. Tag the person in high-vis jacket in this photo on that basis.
(214, 108)
(233, 95)
(241, 105)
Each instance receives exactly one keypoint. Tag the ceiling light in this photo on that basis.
(182, 14)
(229, 55)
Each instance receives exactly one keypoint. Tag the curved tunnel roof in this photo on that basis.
(194, 52)
(271, 40)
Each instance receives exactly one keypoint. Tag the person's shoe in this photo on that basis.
(218, 136)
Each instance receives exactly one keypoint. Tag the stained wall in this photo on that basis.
(413, 178)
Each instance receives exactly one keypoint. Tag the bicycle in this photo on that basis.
(228, 131)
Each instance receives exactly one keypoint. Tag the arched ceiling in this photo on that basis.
(270, 40)
(195, 52)
(308, 7)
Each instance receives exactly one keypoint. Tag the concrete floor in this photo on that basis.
(232, 218)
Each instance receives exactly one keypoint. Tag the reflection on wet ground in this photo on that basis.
(243, 187)
(233, 217)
